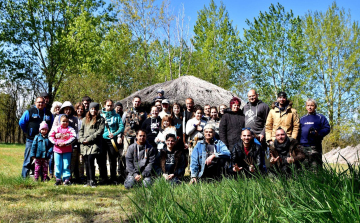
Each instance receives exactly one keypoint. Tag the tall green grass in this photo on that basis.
(325, 196)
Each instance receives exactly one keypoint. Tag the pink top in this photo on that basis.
(62, 135)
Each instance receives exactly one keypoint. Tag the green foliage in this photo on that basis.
(327, 196)
(217, 55)
(273, 47)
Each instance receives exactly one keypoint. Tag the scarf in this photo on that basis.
(282, 149)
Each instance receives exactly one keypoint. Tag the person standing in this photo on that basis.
(282, 115)
(214, 120)
(166, 110)
(314, 127)
(113, 127)
(152, 126)
(86, 100)
(207, 110)
(79, 161)
(29, 124)
(188, 114)
(118, 107)
(177, 121)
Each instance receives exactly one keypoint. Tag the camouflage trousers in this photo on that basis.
(313, 157)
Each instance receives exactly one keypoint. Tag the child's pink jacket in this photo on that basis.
(67, 136)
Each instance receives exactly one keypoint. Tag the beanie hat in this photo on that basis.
(209, 126)
(161, 91)
(94, 105)
(43, 125)
(118, 103)
(282, 94)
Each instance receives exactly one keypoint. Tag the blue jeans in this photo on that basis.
(62, 165)
(130, 182)
(27, 160)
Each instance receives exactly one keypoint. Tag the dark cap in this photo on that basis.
(118, 103)
(94, 105)
(161, 91)
(282, 94)
(44, 94)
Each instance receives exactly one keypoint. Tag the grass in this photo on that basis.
(330, 196)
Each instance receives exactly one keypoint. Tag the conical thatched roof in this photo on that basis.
(183, 87)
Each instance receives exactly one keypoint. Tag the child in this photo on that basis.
(41, 150)
(62, 137)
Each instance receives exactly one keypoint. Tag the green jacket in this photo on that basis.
(92, 133)
(115, 123)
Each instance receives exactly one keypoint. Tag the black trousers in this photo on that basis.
(89, 161)
(112, 155)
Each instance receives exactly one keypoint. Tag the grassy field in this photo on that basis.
(330, 196)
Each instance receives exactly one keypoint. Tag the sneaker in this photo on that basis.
(87, 184)
(67, 183)
(57, 183)
(92, 183)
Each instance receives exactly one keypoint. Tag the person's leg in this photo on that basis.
(101, 161)
(27, 161)
(73, 165)
(129, 182)
(37, 169)
(146, 181)
(87, 166)
(66, 166)
(112, 154)
(58, 158)
(45, 167)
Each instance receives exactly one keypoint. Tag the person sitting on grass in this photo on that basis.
(208, 157)
(41, 150)
(172, 160)
(287, 153)
(62, 137)
(140, 158)
(245, 155)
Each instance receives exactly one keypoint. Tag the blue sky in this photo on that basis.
(240, 10)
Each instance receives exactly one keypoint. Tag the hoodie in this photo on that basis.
(73, 121)
(255, 116)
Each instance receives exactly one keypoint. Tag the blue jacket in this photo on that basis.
(318, 122)
(31, 119)
(41, 147)
(115, 123)
(198, 156)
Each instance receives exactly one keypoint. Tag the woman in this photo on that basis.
(221, 110)
(113, 127)
(177, 121)
(195, 128)
(166, 128)
(90, 137)
(214, 120)
(79, 162)
(172, 161)
(55, 108)
(151, 126)
(231, 123)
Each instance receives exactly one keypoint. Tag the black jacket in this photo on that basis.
(231, 125)
(239, 156)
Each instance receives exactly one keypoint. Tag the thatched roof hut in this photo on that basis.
(178, 90)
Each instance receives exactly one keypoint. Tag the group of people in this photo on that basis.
(206, 141)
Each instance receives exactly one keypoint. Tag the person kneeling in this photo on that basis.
(208, 157)
(286, 154)
(140, 158)
(245, 155)
(172, 160)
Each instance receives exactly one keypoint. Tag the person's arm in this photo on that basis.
(223, 151)
(194, 163)
(56, 123)
(98, 132)
(81, 133)
(24, 120)
(296, 125)
(51, 136)
(325, 127)
(34, 147)
(266, 113)
(190, 128)
(72, 135)
(149, 166)
(123, 118)
(129, 159)
(222, 130)
(269, 126)
(120, 125)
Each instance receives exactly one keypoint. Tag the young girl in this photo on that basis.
(41, 150)
(166, 128)
(90, 137)
(62, 137)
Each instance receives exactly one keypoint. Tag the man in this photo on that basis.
(314, 127)
(132, 119)
(86, 100)
(207, 112)
(256, 113)
(188, 114)
(118, 107)
(165, 108)
(208, 157)
(46, 97)
(246, 154)
(30, 123)
(158, 104)
(140, 158)
(282, 115)
(286, 153)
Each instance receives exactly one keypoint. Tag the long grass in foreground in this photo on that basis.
(326, 196)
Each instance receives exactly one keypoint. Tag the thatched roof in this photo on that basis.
(178, 90)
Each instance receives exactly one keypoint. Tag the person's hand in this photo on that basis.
(170, 176)
(138, 178)
(80, 158)
(198, 122)
(273, 159)
(186, 146)
(165, 176)
(252, 168)
(85, 143)
(209, 159)
(290, 159)
(61, 144)
(119, 140)
(199, 128)
(236, 168)
(57, 135)
(193, 180)
(261, 138)
(111, 135)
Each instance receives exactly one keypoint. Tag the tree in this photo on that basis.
(333, 46)
(217, 57)
(274, 52)
(32, 32)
